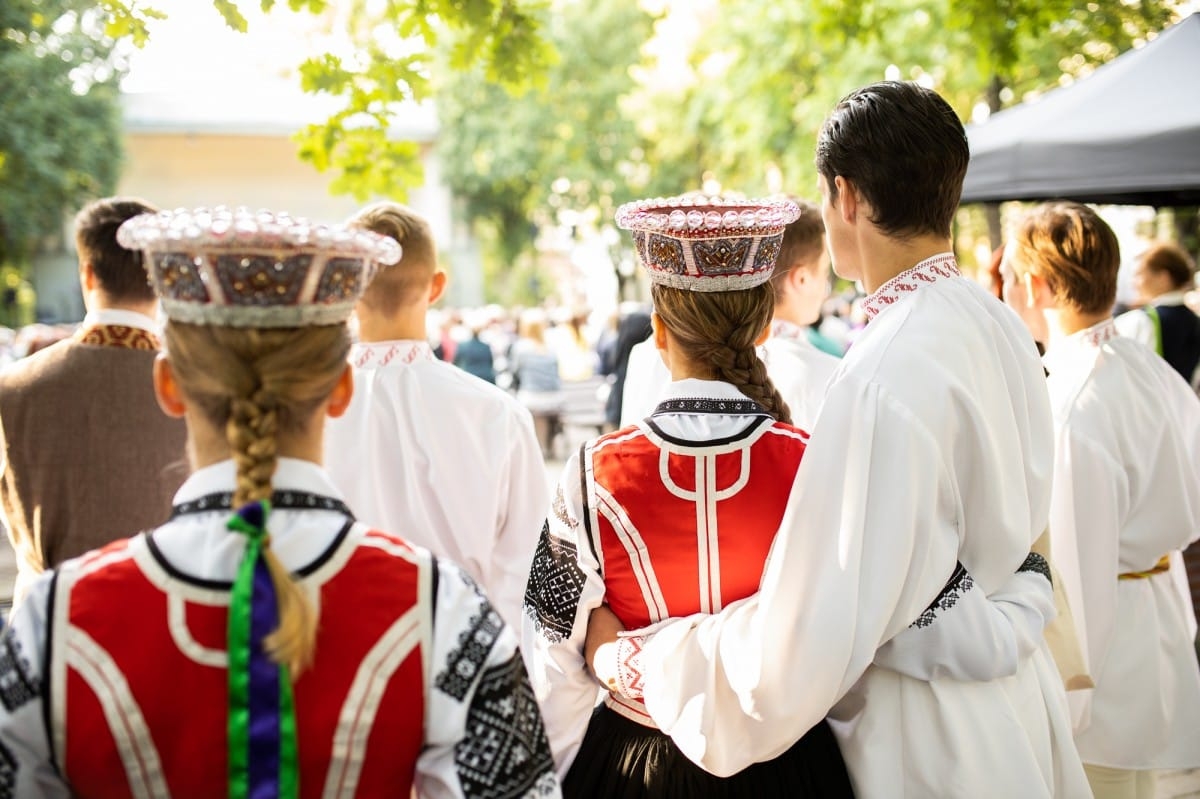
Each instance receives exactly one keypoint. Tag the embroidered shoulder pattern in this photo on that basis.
(17, 685)
(960, 583)
(1036, 563)
(474, 645)
(555, 585)
(504, 753)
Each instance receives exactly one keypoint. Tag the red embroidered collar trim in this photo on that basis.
(931, 270)
(119, 336)
(375, 356)
(781, 328)
(1098, 334)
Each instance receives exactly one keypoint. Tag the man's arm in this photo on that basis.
(868, 541)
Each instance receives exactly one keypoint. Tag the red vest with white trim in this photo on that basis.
(145, 715)
(687, 529)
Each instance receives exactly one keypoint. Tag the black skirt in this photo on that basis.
(621, 759)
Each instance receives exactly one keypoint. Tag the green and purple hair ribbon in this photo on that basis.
(262, 714)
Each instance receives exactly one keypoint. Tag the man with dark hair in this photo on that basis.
(88, 455)
(427, 449)
(901, 599)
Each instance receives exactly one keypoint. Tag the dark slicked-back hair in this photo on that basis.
(904, 149)
(120, 272)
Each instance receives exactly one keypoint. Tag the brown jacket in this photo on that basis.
(90, 457)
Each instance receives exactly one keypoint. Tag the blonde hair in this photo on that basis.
(256, 385)
(401, 284)
(719, 329)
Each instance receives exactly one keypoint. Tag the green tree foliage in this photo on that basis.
(59, 119)
(563, 153)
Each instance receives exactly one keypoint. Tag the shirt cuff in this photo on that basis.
(618, 665)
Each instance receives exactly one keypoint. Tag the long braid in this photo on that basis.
(718, 329)
(257, 385)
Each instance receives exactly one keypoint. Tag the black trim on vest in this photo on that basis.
(750, 430)
(47, 722)
(280, 500)
(433, 590)
(223, 585)
(583, 497)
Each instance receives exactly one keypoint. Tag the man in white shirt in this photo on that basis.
(1162, 278)
(925, 483)
(427, 450)
(798, 369)
(1125, 501)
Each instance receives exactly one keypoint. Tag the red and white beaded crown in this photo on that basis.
(702, 243)
(243, 268)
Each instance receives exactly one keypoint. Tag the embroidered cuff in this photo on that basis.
(618, 666)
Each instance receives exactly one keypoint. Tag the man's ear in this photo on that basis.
(1038, 291)
(166, 390)
(343, 392)
(437, 286)
(87, 275)
(847, 201)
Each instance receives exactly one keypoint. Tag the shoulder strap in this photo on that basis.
(1155, 320)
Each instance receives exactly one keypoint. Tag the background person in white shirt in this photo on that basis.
(425, 449)
(799, 369)
(1125, 501)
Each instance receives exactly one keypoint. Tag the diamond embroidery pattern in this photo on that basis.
(721, 256)
(17, 685)
(959, 584)
(262, 280)
(555, 585)
(474, 645)
(504, 753)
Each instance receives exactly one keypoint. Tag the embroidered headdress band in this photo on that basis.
(708, 243)
(243, 268)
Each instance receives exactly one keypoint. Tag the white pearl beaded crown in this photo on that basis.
(243, 268)
(702, 243)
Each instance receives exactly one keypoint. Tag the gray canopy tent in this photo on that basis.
(1129, 133)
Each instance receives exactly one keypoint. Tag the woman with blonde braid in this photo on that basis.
(676, 514)
(260, 642)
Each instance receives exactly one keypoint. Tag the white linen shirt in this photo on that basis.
(431, 453)
(800, 371)
(1127, 492)
(933, 446)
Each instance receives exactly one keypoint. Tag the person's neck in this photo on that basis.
(407, 324)
(97, 302)
(207, 445)
(1064, 322)
(884, 257)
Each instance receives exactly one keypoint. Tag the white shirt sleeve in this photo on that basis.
(976, 637)
(483, 731)
(565, 585)
(24, 739)
(526, 497)
(869, 539)
(1086, 508)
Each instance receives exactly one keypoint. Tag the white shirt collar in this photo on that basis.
(938, 267)
(291, 474)
(1076, 346)
(782, 328)
(695, 388)
(117, 316)
(1169, 298)
(378, 354)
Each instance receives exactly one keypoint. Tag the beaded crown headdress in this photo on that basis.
(243, 268)
(702, 243)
